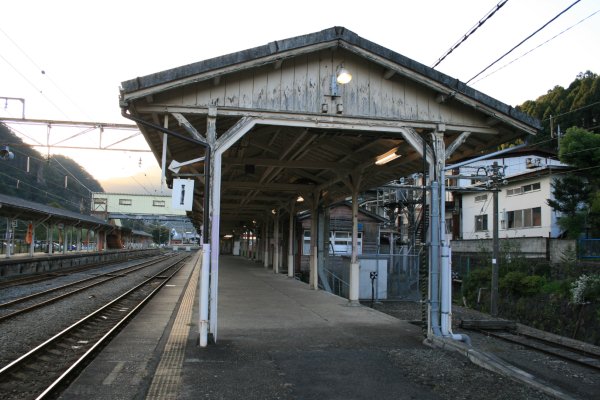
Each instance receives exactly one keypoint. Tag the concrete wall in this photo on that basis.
(43, 264)
(531, 247)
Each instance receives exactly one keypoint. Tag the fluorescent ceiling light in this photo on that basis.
(387, 157)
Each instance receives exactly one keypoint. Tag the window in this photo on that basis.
(306, 243)
(527, 218)
(481, 197)
(124, 202)
(158, 203)
(481, 223)
(340, 242)
(99, 201)
(532, 187)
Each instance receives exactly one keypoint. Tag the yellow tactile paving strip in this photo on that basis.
(168, 373)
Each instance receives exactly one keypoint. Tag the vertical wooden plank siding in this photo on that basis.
(324, 77)
(274, 88)
(303, 83)
(287, 86)
(300, 84)
(259, 89)
(217, 93)
(232, 92)
(202, 93)
(246, 89)
(376, 106)
(313, 97)
(410, 100)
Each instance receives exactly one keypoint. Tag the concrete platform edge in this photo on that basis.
(495, 364)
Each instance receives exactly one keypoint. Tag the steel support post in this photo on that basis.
(203, 298)
(276, 243)
(313, 277)
(354, 263)
(290, 262)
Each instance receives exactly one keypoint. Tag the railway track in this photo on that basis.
(29, 279)
(40, 373)
(556, 346)
(552, 348)
(45, 297)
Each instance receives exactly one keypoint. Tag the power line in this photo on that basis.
(523, 41)
(41, 190)
(537, 47)
(44, 73)
(34, 86)
(470, 32)
(572, 111)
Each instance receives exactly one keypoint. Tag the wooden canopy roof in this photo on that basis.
(304, 133)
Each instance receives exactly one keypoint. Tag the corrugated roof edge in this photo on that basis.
(326, 35)
(42, 208)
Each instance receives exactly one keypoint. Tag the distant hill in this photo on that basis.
(45, 181)
(143, 182)
(577, 105)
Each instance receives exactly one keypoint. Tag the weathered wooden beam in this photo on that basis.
(270, 162)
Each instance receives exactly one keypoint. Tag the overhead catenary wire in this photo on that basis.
(537, 47)
(34, 86)
(470, 32)
(44, 73)
(523, 41)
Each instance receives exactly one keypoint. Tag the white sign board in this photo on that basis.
(183, 194)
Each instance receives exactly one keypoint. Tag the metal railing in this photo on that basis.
(589, 249)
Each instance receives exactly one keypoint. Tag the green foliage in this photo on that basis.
(45, 181)
(569, 107)
(560, 288)
(581, 149)
(586, 289)
(518, 283)
(478, 278)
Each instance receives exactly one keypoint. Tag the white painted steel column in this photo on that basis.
(49, 239)
(79, 235)
(354, 263)
(276, 243)
(313, 281)
(266, 244)
(290, 264)
(203, 297)
(8, 237)
(32, 244)
(163, 163)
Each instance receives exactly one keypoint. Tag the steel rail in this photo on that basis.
(131, 268)
(549, 347)
(99, 313)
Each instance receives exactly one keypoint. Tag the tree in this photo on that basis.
(577, 196)
(576, 105)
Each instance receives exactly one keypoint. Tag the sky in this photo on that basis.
(67, 59)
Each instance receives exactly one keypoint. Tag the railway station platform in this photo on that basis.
(277, 339)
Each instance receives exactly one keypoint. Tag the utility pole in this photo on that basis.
(496, 175)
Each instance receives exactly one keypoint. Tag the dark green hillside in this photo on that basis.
(578, 105)
(45, 181)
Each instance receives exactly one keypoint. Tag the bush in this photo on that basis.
(478, 278)
(518, 283)
(532, 285)
(586, 289)
(561, 288)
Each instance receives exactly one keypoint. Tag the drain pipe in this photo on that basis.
(205, 267)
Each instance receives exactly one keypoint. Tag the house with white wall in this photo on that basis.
(523, 210)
